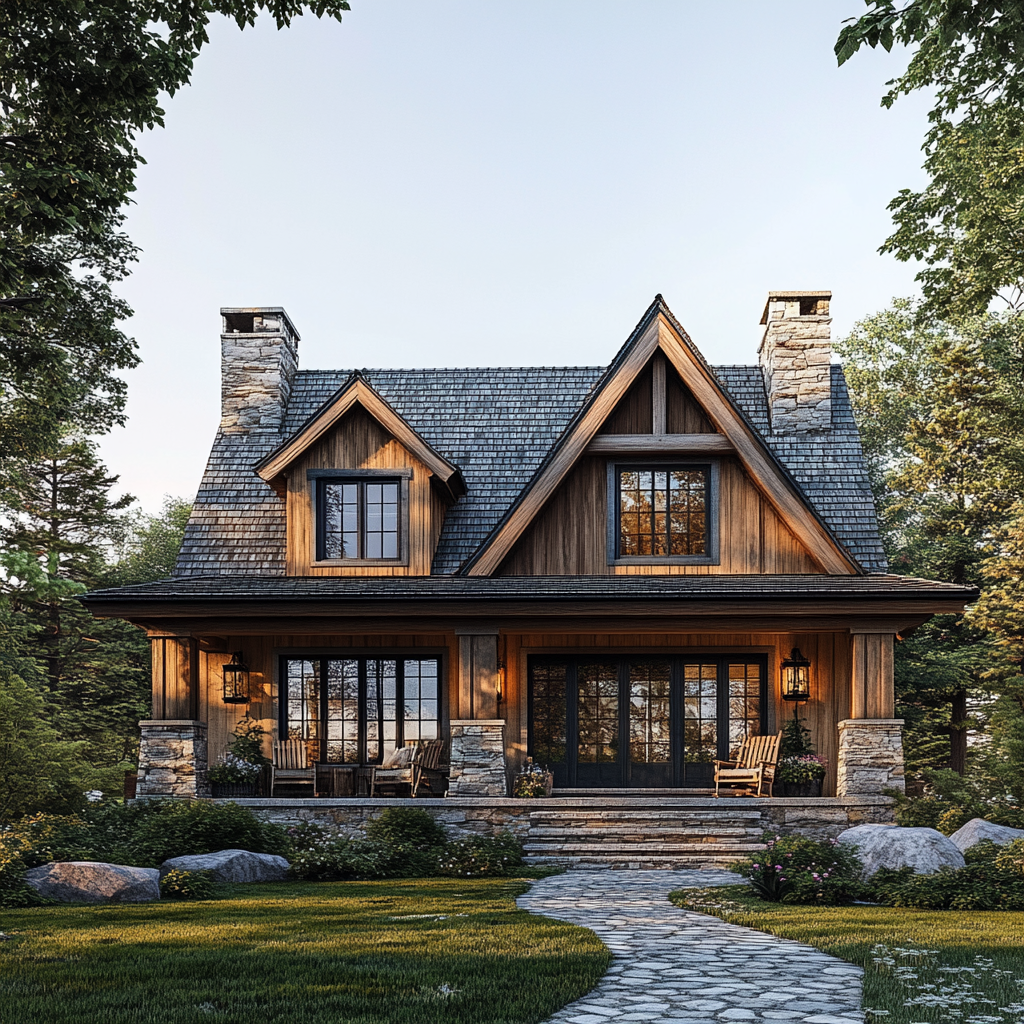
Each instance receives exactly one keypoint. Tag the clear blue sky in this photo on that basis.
(468, 183)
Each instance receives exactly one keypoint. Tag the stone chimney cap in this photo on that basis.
(792, 295)
(277, 311)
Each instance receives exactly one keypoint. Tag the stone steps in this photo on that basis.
(615, 833)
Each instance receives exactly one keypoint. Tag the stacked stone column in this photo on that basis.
(173, 759)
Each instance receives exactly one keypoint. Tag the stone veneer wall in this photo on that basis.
(870, 756)
(257, 370)
(477, 758)
(173, 759)
(819, 818)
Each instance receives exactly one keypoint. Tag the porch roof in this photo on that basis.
(379, 589)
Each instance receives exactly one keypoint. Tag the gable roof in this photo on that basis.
(498, 425)
(356, 391)
(658, 330)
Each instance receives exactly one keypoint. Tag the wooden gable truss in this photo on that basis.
(658, 331)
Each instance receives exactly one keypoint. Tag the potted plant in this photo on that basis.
(801, 770)
(237, 773)
(532, 781)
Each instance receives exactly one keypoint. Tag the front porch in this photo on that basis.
(627, 830)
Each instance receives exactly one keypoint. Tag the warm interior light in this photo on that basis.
(501, 681)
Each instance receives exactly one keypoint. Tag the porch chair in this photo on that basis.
(421, 768)
(754, 765)
(291, 765)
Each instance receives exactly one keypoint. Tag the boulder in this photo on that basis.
(890, 846)
(86, 881)
(977, 830)
(231, 866)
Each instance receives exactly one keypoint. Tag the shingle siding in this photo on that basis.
(497, 426)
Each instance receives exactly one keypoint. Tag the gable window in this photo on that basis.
(663, 512)
(361, 518)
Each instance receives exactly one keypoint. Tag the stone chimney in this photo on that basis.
(259, 353)
(795, 356)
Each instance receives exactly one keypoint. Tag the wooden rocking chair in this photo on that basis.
(754, 765)
(291, 765)
(424, 769)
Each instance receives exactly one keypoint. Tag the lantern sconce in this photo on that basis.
(500, 690)
(796, 678)
(236, 680)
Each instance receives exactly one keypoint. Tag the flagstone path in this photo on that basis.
(672, 966)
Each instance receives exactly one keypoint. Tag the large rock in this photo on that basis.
(231, 866)
(977, 830)
(86, 881)
(890, 846)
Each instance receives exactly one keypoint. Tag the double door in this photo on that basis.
(642, 721)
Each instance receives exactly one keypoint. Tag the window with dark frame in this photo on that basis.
(357, 710)
(358, 519)
(662, 511)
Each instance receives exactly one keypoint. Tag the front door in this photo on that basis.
(646, 722)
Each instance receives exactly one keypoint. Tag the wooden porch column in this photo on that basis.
(478, 674)
(175, 664)
(873, 694)
(870, 758)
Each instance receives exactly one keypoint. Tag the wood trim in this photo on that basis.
(659, 397)
(782, 494)
(660, 444)
(359, 392)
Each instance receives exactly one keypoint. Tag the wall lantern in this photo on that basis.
(236, 680)
(500, 689)
(796, 678)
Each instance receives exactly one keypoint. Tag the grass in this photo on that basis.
(417, 951)
(974, 962)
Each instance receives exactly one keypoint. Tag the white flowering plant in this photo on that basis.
(232, 770)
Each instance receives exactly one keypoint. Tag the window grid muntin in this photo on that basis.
(650, 718)
(744, 702)
(359, 519)
(662, 511)
(381, 687)
(597, 711)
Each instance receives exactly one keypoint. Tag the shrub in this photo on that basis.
(482, 856)
(982, 885)
(186, 885)
(795, 869)
(1011, 857)
(319, 854)
(411, 839)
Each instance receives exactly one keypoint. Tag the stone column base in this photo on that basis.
(478, 758)
(173, 759)
(870, 757)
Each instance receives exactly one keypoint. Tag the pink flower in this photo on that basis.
(814, 875)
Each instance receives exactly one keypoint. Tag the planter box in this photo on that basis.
(233, 789)
(798, 788)
(549, 782)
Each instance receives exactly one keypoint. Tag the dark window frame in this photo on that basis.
(361, 655)
(711, 555)
(319, 479)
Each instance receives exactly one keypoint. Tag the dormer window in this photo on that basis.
(362, 516)
(663, 513)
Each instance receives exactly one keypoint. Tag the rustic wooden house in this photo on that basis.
(604, 568)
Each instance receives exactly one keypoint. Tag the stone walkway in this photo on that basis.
(672, 966)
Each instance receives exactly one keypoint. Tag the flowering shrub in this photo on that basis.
(794, 869)
(802, 768)
(186, 885)
(482, 856)
(231, 769)
(532, 781)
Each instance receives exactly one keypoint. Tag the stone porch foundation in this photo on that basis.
(478, 758)
(173, 759)
(870, 757)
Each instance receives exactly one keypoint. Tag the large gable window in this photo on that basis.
(663, 512)
(361, 518)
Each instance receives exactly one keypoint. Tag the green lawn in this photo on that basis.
(415, 951)
(975, 968)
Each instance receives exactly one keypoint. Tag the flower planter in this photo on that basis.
(233, 789)
(812, 788)
(546, 781)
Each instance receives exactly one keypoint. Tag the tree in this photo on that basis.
(967, 225)
(148, 545)
(940, 408)
(79, 81)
